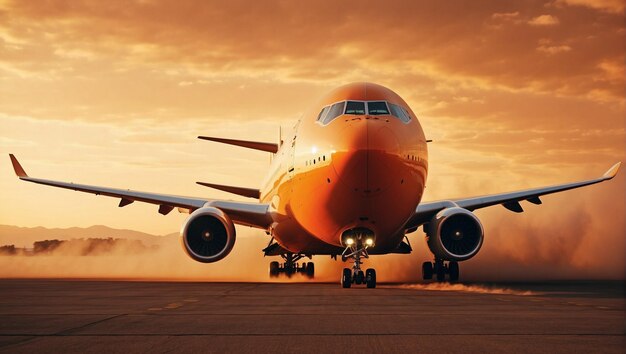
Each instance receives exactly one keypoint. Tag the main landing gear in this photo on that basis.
(439, 269)
(290, 266)
(356, 275)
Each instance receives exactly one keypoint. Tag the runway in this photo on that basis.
(127, 317)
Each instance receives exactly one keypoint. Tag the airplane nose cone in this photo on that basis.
(365, 163)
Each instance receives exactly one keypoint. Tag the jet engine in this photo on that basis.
(454, 234)
(208, 235)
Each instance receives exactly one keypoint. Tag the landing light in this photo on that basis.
(349, 241)
(369, 242)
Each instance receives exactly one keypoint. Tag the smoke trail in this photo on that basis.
(480, 289)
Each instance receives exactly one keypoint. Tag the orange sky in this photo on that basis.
(515, 95)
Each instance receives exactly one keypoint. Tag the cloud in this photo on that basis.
(194, 41)
(505, 15)
(554, 49)
(544, 20)
(612, 6)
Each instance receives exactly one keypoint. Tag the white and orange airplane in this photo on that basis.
(348, 182)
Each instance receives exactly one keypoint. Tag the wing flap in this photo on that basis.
(124, 202)
(534, 200)
(513, 206)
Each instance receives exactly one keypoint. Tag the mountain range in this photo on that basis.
(26, 236)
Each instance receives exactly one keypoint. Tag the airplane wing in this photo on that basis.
(425, 211)
(249, 214)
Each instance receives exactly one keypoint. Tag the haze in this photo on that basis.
(515, 95)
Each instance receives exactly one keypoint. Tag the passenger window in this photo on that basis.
(335, 111)
(353, 107)
(323, 113)
(399, 112)
(377, 108)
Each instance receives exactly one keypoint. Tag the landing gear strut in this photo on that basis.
(290, 266)
(356, 275)
(440, 269)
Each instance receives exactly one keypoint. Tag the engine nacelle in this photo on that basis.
(454, 234)
(208, 235)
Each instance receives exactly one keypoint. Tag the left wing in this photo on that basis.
(425, 211)
(249, 214)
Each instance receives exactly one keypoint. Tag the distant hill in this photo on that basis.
(26, 236)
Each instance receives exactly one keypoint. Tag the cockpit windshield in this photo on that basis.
(355, 107)
(374, 108)
(377, 108)
(399, 112)
(335, 111)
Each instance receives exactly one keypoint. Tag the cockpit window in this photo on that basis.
(377, 108)
(400, 112)
(335, 111)
(353, 107)
(323, 113)
(329, 113)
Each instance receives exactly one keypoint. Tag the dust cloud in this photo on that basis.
(164, 260)
(480, 289)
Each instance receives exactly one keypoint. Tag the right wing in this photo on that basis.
(510, 200)
(249, 214)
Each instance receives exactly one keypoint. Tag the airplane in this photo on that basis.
(347, 182)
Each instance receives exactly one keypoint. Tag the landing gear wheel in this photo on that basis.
(359, 277)
(427, 270)
(310, 270)
(289, 271)
(346, 278)
(441, 272)
(274, 269)
(453, 271)
(370, 278)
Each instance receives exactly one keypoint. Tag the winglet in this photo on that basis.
(612, 171)
(19, 171)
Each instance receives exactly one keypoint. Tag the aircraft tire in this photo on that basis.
(441, 273)
(370, 278)
(274, 269)
(427, 270)
(453, 271)
(359, 277)
(310, 270)
(346, 278)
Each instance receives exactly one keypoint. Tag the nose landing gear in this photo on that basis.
(356, 275)
(439, 269)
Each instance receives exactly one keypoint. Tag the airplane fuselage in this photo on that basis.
(358, 171)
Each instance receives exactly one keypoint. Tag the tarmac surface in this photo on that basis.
(125, 316)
